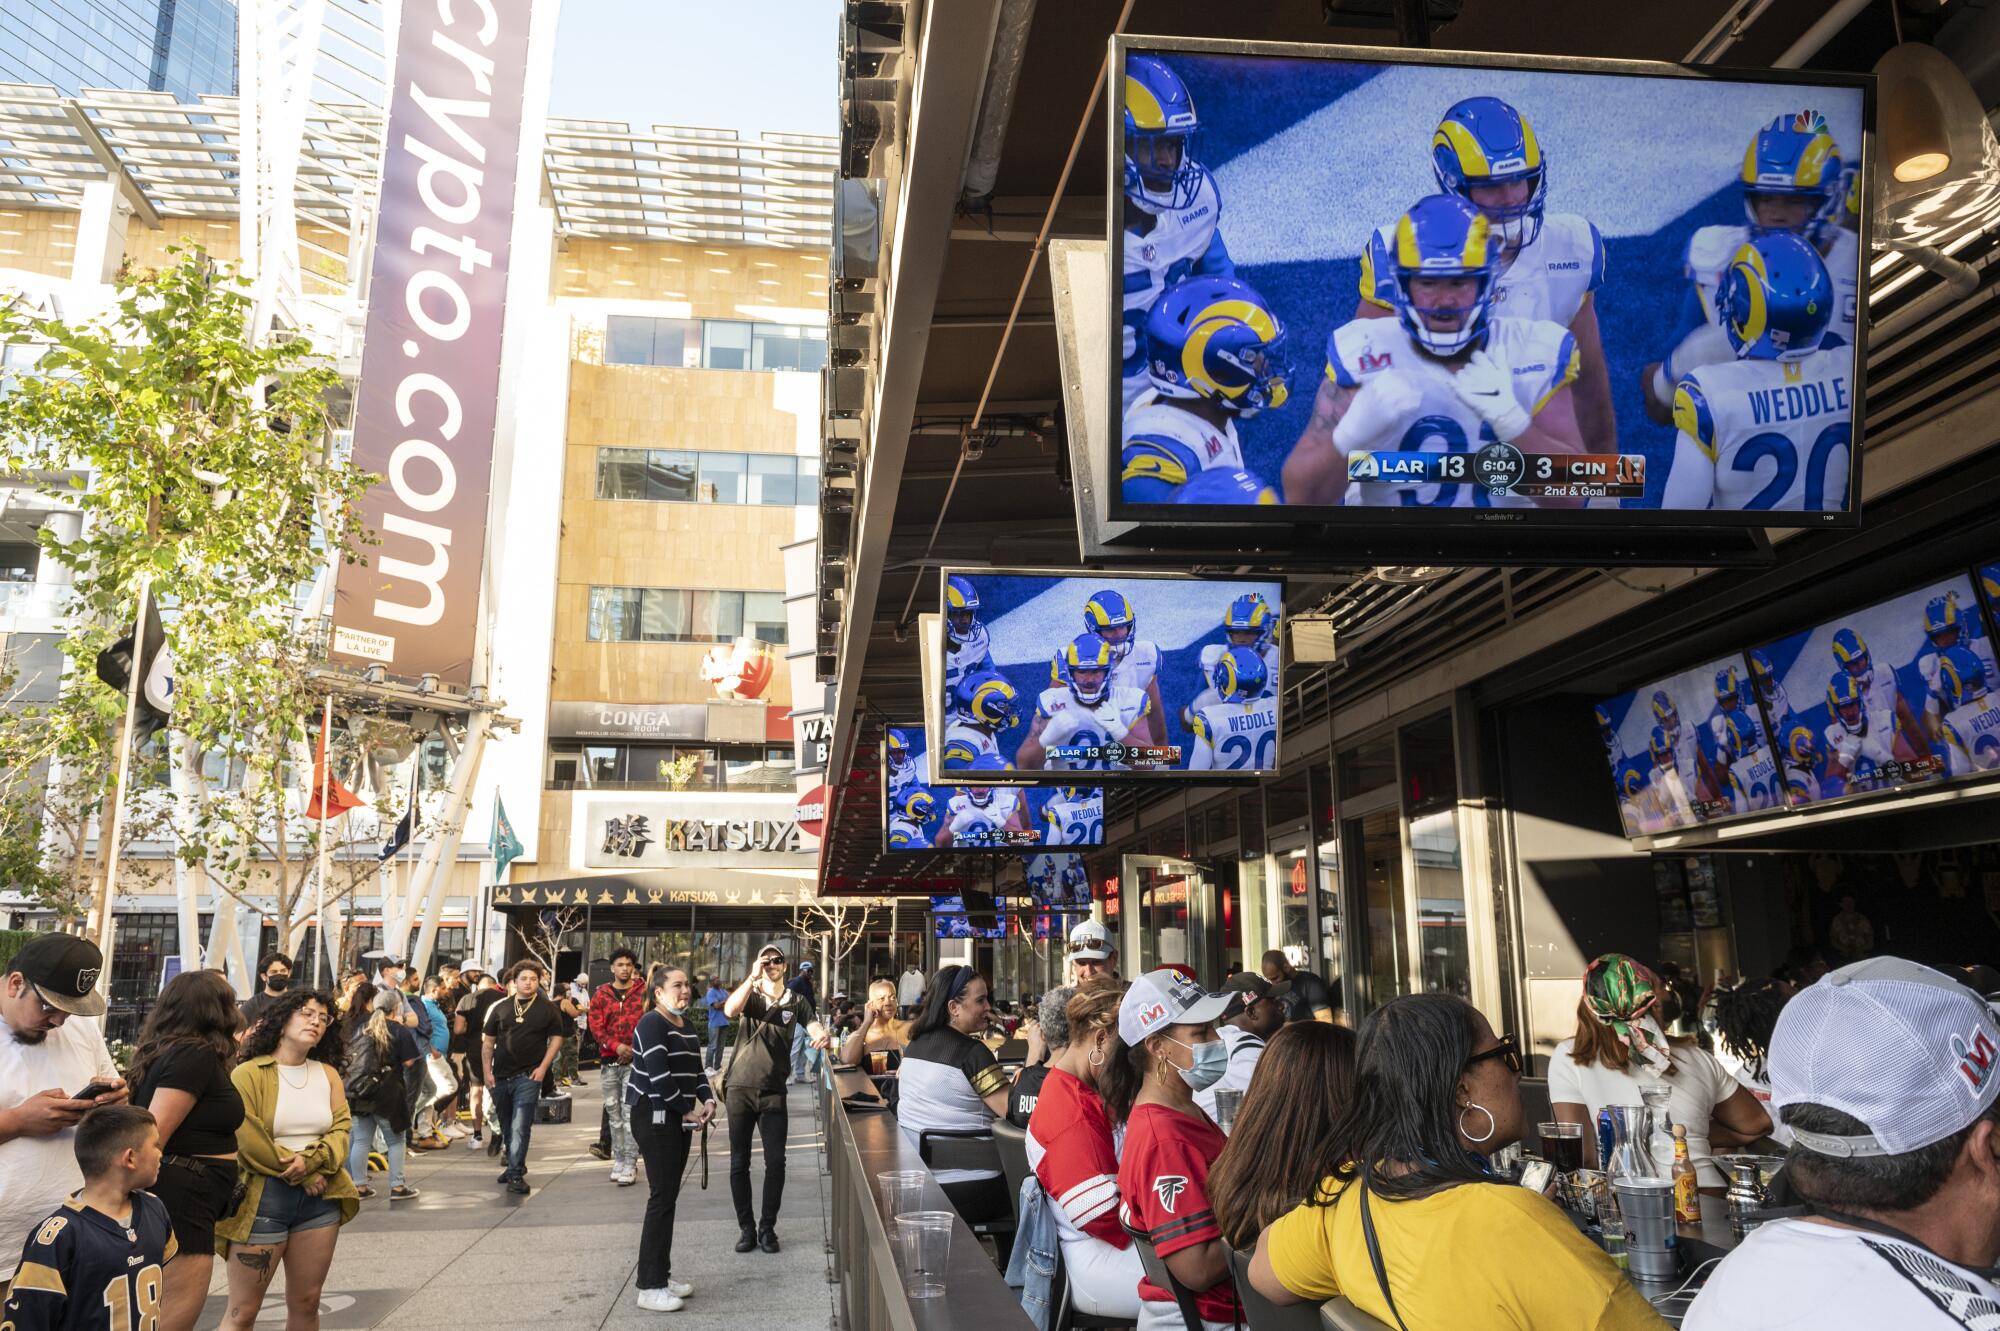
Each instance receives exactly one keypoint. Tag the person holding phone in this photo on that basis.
(52, 1072)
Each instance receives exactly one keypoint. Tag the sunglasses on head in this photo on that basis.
(1508, 1051)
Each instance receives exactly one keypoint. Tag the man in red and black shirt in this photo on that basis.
(615, 1010)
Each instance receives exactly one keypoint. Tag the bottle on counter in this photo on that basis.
(1687, 1200)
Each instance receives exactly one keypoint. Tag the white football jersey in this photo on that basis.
(1718, 725)
(1165, 445)
(1137, 668)
(906, 835)
(1157, 260)
(1879, 689)
(1972, 737)
(966, 818)
(1544, 360)
(965, 743)
(1753, 782)
(1236, 736)
(1936, 703)
(975, 652)
(1711, 249)
(1067, 822)
(1670, 806)
(1866, 750)
(1545, 280)
(903, 775)
(1778, 432)
(1209, 656)
(1068, 723)
(1685, 749)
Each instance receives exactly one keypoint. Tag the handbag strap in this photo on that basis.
(1375, 1256)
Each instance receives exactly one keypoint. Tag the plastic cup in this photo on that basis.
(1647, 1207)
(902, 1193)
(923, 1245)
(1226, 1105)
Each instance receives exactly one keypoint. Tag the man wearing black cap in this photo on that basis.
(1261, 1015)
(765, 1012)
(45, 1059)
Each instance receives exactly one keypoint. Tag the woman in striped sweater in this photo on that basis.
(669, 1096)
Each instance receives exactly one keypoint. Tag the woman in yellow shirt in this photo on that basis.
(1435, 1091)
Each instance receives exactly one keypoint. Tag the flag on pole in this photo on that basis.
(504, 845)
(400, 834)
(339, 799)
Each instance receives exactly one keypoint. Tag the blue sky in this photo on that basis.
(747, 65)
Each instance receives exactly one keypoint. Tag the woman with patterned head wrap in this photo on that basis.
(1621, 1049)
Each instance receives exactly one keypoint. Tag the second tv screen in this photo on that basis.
(1157, 677)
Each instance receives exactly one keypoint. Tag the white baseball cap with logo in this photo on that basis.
(1090, 941)
(1162, 998)
(1910, 1052)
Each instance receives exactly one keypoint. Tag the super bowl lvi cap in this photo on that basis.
(64, 970)
(1162, 998)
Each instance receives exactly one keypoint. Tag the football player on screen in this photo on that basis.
(1084, 710)
(983, 815)
(1729, 698)
(1880, 693)
(903, 771)
(1946, 627)
(1446, 375)
(1239, 733)
(1248, 622)
(1171, 206)
(910, 814)
(988, 707)
(1863, 741)
(1799, 755)
(1074, 816)
(1666, 791)
(1971, 727)
(1792, 184)
(1751, 775)
(1550, 264)
(1134, 664)
(1215, 356)
(1769, 429)
(967, 645)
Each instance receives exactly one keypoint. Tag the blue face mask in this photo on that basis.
(1211, 1060)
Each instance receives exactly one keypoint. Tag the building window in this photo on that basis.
(712, 344)
(677, 475)
(670, 614)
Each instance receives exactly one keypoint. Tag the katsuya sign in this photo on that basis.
(676, 830)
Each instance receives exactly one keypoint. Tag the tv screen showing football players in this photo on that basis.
(1896, 694)
(961, 926)
(919, 817)
(1058, 880)
(1364, 287)
(1050, 674)
(1689, 750)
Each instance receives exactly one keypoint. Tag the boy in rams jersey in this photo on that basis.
(967, 645)
(982, 815)
(1971, 729)
(1241, 731)
(1550, 264)
(987, 706)
(1171, 205)
(1446, 375)
(1770, 429)
(1086, 710)
(1791, 183)
(1248, 622)
(95, 1263)
(1215, 356)
(1074, 816)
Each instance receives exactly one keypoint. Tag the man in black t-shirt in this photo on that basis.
(1310, 998)
(765, 1012)
(469, 1019)
(519, 1039)
(274, 972)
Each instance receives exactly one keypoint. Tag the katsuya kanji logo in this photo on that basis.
(627, 836)
(1168, 1188)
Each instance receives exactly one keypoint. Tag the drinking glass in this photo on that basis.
(923, 1241)
(1226, 1105)
(1562, 1145)
(902, 1194)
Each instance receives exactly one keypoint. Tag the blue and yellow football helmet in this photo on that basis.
(961, 605)
(917, 804)
(1249, 621)
(986, 762)
(1605, 730)
(1239, 674)
(1775, 300)
(1483, 141)
(899, 748)
(1162, 133)
(1074, 794)
(1843, 695)
(1216, 339)
(1661, 746)
(1961, 675)
(1739, 735)
(1802, 747)
(1444, 236)
(1665, 712)
(1850, 649)
(1728, 687)
(1631, 781)
(1763, 675)
(1110, 616)
(1795, 157)
(1219, 486)
(988, 700)
(1088, 652)
(1943, 624)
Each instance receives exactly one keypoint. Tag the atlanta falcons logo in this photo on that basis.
(1169, 1188)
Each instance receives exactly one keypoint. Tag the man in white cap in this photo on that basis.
(1888, 1075)
(1091, 953)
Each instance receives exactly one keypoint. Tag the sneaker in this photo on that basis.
(401, 1193)
(506, 1176)
(519, 1186)
(659, 1301)
(364, 1192)
(680, 1289)
(493, 1146)
(628, 1178)
(598, 1151)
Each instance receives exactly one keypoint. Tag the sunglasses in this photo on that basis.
(1508, 1051)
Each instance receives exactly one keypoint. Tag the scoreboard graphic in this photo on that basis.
(1501, 471)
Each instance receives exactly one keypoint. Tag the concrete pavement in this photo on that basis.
(563, 1258)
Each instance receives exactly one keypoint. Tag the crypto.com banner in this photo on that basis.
(430, 365)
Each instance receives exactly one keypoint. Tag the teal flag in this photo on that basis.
(504, 845)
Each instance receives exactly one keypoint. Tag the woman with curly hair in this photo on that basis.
(290, 1148)
(180, 1071)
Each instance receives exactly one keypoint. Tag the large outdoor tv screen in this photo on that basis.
(1355, 285)
(1688, 750)
(1049, 673)
(920, 817)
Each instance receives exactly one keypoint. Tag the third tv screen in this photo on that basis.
(1047, 673)
(1359, 286)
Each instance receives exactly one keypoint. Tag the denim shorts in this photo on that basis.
(285, 1210)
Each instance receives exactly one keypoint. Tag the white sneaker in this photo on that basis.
(659, 1301)
(680, 1289)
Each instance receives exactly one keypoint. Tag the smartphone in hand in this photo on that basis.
(95, 1089)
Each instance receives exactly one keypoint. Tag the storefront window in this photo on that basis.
(1376, 845)
(1430, 800)
(1291, 857)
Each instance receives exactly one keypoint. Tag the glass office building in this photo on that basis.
(185, 47)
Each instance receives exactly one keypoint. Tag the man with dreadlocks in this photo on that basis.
(1621, 1049)
(1745, 1016)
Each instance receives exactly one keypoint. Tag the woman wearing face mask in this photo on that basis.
(950, 1082)
(1620, 1049)
(1167, 1024)
(1074, 1153)
(669, 1097)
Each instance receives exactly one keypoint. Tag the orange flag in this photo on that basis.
(339, 799)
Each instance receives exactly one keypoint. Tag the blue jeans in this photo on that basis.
(805, 1058)
(514, 1101)
(361, 1140)
(715, 1034)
